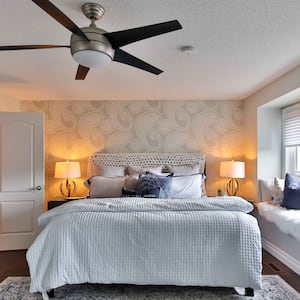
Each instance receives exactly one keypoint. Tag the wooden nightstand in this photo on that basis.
(57, 202)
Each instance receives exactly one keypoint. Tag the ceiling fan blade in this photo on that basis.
(128, 59)
(30, 47)
(60, 17)
(125, 37)
(81, 72)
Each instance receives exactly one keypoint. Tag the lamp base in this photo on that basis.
(232, 187)
(67, 188)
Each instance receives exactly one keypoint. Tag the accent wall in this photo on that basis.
(76, 129)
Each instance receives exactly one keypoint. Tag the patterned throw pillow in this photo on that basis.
(156, 186)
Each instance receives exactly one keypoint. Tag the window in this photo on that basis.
(291, 138)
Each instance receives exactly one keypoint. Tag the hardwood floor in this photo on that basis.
(13, 263)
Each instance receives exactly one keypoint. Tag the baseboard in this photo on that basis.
(284, 257)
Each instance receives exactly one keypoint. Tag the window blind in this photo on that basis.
(291, 125)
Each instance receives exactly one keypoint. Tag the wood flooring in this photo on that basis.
(13, 263)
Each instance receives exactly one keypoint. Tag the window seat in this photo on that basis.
(287, 220)
(280, 227)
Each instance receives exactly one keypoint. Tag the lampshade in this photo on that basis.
(92, 58)
(67, 169)
(232, 169)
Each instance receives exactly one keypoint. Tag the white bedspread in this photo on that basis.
(208, 242)
(287, 220)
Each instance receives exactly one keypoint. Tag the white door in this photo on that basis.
(21, 178)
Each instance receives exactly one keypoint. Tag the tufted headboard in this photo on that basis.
(145, 159)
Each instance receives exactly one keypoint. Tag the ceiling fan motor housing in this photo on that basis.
(94, 53)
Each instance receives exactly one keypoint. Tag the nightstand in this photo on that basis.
(57, 202)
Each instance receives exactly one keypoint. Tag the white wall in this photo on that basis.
(268, 142)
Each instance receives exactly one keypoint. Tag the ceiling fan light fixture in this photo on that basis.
(91, 58)
(95, 53)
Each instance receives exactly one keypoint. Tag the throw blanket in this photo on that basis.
(209, 242)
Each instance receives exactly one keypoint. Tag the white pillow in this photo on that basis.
(277, 191)
(136, 170)
(187, 186)
(265, 187)
(110, 171)
(105, 187)
(187, 170)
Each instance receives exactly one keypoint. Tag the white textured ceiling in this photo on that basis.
(240, 46)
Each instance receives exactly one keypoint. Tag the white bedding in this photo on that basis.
(207, 242)
(287, 220)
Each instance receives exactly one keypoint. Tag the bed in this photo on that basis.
(195, 241)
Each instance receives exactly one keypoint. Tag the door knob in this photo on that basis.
(38, 188)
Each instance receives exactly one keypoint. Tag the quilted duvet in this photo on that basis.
(209, 242)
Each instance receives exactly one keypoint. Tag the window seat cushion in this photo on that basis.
(287, 220)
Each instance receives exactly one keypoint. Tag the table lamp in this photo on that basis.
(67, 170)
(232, 169)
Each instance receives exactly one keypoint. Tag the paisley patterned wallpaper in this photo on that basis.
(75, 129)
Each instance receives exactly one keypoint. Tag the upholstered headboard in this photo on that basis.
(144, 160)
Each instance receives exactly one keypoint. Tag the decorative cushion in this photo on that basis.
(158, 186)
(188, 186)
(291, 193)
(136, 170)
(110, 171)
(105, 187)
(266, 187)
(131, 183)
(277, 191)
(188, 170)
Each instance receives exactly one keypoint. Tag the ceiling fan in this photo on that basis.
(92, 46)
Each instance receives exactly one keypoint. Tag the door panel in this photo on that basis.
(22, 170)
(15, 162)
(16, 216)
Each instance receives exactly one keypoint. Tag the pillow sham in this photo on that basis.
(105, 187)
(110, 171)
(156, 186)
(183, 170)
(187, 186)
(188, 170)
(291, 193)
(136, 170)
